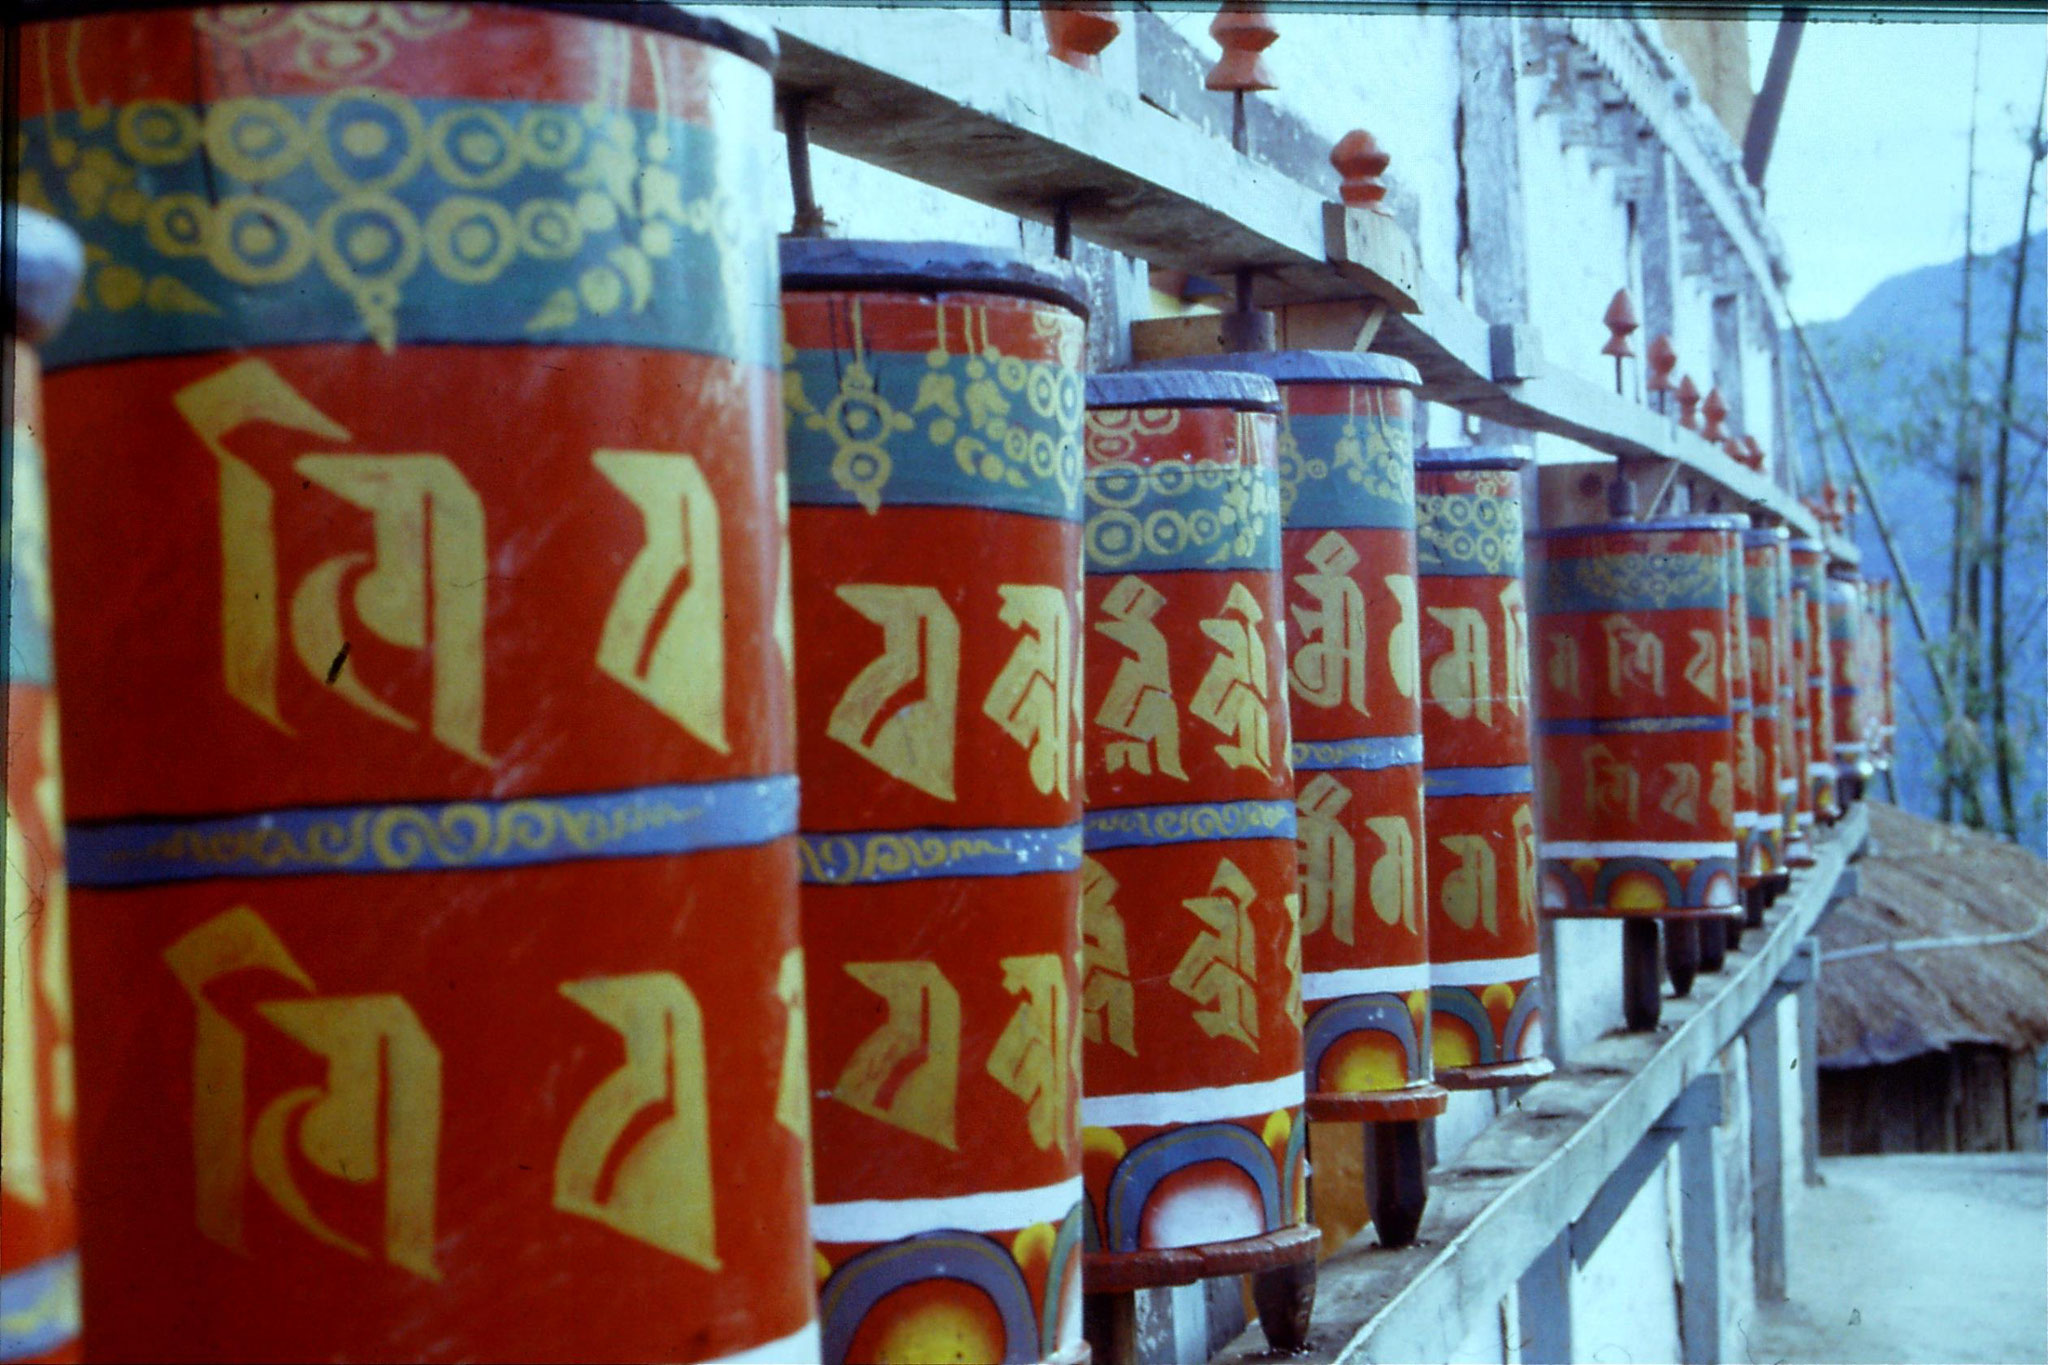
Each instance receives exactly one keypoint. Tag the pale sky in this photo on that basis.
(1866, 179)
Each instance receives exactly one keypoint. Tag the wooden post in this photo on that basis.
(1543, 1300)
(1766, 1154)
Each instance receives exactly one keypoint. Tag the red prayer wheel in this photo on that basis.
(1486, 992)
(1347, 504)
(1763, 581)
(1193, 1056)
(1809, 588)
(1751, 870)
(1636, 753)
(1887, 723)
(934, 404)
(1798, 736)
(1846, 660)
(435, 895)
(38, 1164)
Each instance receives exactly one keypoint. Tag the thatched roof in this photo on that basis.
(1924, 879)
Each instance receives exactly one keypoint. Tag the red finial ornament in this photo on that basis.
(1688, 395)
(1715, 410)
(1663, 358)
(1360, 162)
(1849, 501)
(1242, 29)
(1621, 321)
(1752, 453)
(1077, 32)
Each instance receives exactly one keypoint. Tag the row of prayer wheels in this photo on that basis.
(544, 826)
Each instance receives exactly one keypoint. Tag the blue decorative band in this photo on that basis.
(1847, 691)
(368, 215)
(1347, 471)
(933, 429)
(911, 854)
(39, 1307)
(1478, 781)
(435, 837)
(1471, 534)
(1384, 751)
(1635, 725)
(1764, 712)
(1203, 514)
(1630, 582)
(1142, 826)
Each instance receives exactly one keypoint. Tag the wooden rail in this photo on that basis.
(1539, 1167)
(974, 111)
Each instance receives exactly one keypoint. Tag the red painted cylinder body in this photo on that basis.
(1763, 584)
(934, 404)
(1479, 820)
(1742, 708)
(1636, 740)
(1798, 737)
(1347, 502)
(1194, 1132)
(1809, 585)
(429, 752)
(38, 1093)
(1847, 656)
(1887, 724)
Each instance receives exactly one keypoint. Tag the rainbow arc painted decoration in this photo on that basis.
(1486, 996)
(434, 916)
(1636, 751)
(934, 406)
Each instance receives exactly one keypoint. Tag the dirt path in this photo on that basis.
(1932, 1258)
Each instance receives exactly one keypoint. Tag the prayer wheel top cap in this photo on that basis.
(1510, 458)
(1305, 367)
(1765, 535)
(719, 25)
(1183, 389)
(1805, 546)
(824, 263)
(48, 264)
(1720, 521)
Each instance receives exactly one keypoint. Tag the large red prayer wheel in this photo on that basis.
(1752, 869)
(1887, 723)
(1636, 748)
(1347, 504)
(1798, 736)
(1486, 995)
(1810, 590)
(430, 765)
(934, 403)
(1763, 581)
(1847, 656)
(1194, 1128)
(38, 1166)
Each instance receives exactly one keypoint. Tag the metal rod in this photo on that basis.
(1062, 231)
(809, 219)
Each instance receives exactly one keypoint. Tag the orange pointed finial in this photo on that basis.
(1077, 32)
(1360, 162)
(1715, 410)
(1621, 321)
(1752, 453)
(1663, 358)
(1243, 30)
(1688, 395)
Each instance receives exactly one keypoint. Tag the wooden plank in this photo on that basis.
(960, 105)
(1699, 1237)
(1527, 1177)
(1767, 1156)
(1543, 1302)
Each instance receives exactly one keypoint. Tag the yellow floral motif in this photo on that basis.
(1370, 452)
(1639, 580)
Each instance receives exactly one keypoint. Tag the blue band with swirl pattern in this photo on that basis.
(1365, 755)
(368, 215)
(911, 854)
(1144, 826)
(437, 837)
(1634, 725)
(39, 1307)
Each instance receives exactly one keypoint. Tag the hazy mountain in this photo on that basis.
(1894, 364)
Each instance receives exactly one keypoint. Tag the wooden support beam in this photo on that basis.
(1699, 1237)
(1543, 1302)
(1766, 1155)
(1518, 1185)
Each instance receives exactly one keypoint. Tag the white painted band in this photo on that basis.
(1747, 819)
(1488, 972)
(1413, 976)
(1634, 848)
(801, 1345)
(1193, 1106)
(885, 1220)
